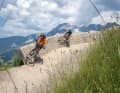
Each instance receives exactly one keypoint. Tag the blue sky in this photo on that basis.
(23, 17)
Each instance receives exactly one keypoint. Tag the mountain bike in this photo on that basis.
(32, 57)
(63, 41)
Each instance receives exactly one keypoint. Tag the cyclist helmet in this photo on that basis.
(38, 34)
(43, 35)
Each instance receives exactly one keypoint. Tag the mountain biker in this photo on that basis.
(68, 34)
(32, 56)
(40, 43)
(65, 40)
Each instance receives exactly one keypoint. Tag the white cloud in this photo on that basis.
(38, 15)
(30, 16)
(107, 17)
(24, 3)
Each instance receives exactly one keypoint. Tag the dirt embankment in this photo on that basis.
(29, 79)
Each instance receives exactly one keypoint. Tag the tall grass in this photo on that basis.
(14, 62)
(99, 72)
(4, 67)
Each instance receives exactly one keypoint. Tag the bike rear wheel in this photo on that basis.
(30, 58)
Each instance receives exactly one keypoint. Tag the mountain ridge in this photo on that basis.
(19, 41)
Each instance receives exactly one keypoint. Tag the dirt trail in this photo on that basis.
(34, 78)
